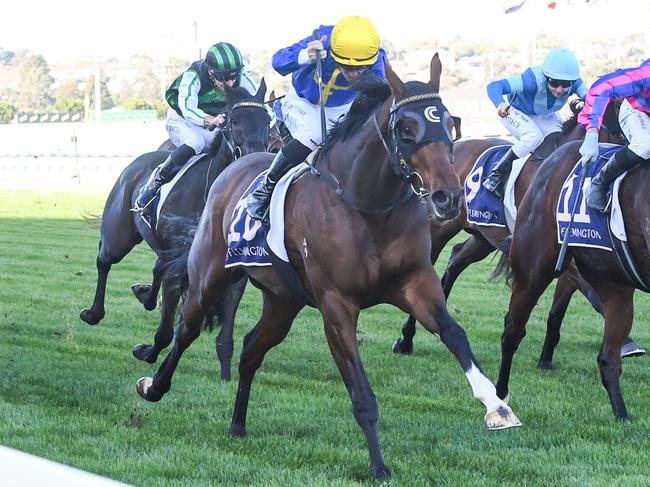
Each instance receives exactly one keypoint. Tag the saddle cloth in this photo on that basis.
(589, 226)
(483, 207)
(166, 188)
(249, 241)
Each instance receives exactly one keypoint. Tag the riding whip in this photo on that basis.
(321, 103)
(565, 242)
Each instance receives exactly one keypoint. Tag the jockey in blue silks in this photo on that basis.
(531, 110)
(346, 49)
(633, 86)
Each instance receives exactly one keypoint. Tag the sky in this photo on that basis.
(69, 30)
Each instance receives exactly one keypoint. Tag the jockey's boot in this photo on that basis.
(495, 182)
(257, 203)
(164, 173)
(597, 195)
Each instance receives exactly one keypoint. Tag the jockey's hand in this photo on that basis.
(503, 109)
(589, 148)
(315, 48)
(217, 121)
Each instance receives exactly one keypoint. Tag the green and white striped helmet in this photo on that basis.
(224, 61)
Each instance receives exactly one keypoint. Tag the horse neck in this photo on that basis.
(363, 166)
(577, 133)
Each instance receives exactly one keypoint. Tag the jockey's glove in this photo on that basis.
(589, 148)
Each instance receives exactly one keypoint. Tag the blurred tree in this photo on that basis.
(125, 93)
(35, 84)
(69, 97)
(7, 112)
(89, 90)
(147, 84)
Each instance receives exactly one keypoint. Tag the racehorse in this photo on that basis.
(484, 240)
(389, 155)
(534, 252)
(246, 131)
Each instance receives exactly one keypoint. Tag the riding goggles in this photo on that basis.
(223, 76)
(557, 83)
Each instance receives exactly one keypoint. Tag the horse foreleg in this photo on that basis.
(474, 249)
(424, 298)
(226, 310)
(340, 321)
(618, 302)
(165, 332)
(273, 326)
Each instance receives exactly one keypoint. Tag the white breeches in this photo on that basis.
(636, 127)
(303, 119)
(182, 131)
(530, 130)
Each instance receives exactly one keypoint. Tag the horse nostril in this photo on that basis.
(442, 199)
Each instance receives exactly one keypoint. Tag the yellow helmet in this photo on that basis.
(355, 41)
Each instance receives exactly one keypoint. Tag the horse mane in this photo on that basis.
(373, 91)
(569, 124)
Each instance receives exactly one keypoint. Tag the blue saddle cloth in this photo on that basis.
(483, 208)
(589, 226)
(246, 236)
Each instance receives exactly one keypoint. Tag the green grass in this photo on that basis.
(67, 389)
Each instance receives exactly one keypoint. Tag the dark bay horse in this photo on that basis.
(534, 252)
(484, 240)
(390, 162)
(246, 131)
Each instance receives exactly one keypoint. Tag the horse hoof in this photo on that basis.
(89, 317)
(382, 473)
(545, 365)
(143, 352)
(141, 292)
(237, 431)
(144, 386)
(632, 349)
(501, 418)
(401, 348)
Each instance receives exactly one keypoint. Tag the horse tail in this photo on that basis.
(172, 264)
(503, 269)
(92, 219)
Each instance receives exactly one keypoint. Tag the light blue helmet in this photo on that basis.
(561, 64)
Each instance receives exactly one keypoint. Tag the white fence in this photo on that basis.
(72, 157)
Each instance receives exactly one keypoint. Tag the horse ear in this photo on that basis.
(261, 91)
(397, 87)
(436, 70)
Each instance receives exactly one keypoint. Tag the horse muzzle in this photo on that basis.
(446, 204)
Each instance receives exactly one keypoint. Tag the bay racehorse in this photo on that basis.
(383, 174)
(484, 240)
(534, 251)
(246, 131)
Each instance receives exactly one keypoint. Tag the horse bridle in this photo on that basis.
(392, 146)
(226, 131)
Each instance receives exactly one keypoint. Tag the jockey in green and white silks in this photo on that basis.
(530, 113)
(197, 100)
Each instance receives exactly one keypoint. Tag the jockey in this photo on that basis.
(536, 96)
(347, 49)
(197, 100)
(633, 85)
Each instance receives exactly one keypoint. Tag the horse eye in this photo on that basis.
(407, 134)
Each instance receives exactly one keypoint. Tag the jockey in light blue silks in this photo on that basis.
(197, 100)
(347, 50)
(531, 112)
(633, 85)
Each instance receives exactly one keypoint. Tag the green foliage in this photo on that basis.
(35, 92)
(7, 112)
(67, 389)
(142, 104)
(69, 105)
(106, 98)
